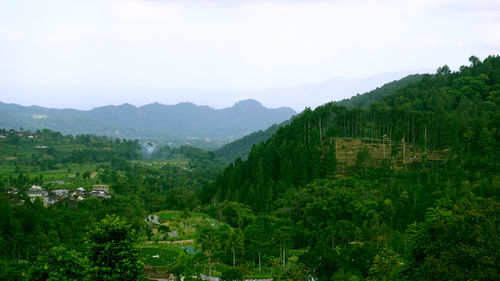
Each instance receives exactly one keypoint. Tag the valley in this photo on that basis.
(404, 187)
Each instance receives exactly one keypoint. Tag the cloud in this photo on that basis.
(11, 36)
(147, 10)
(490, 35)
(62, 37)
(168, 46)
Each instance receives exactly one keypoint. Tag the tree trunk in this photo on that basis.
(309, 133)
(320, 133)
(209, 268)
(260, 272)
(284, 257)
(425, 139)
(404, 152)
(383, 144)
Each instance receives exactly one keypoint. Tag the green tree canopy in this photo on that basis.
(113, 255)
(460, 243)
(59, 264)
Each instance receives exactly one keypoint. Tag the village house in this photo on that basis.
(100, 187)
(36, 187)
(100, 191)
(61, 193)
(100, 194)
(78, 194)
(54, 196)
(33, 194)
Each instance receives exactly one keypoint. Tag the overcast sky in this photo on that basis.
(83, 54)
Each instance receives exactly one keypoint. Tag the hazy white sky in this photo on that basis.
(81, 54)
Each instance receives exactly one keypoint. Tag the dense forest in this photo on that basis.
(369, 221)
(404, 188)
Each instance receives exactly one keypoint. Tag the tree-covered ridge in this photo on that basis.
(446, 111)
(368, 98)
(241, 147)
(358, 220)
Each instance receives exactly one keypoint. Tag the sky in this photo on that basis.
(83, 54)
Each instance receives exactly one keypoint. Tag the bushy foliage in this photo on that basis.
(112, 252)
(457, 243)
(59, 264)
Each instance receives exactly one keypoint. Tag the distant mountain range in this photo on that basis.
(203, 126)
(183, 121)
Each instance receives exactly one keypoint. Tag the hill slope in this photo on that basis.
(366, 99)
(241, 147)
(446, 111)
(388, 200)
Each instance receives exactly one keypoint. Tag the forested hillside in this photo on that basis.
(372, 220)
(447, 111)
(241, 147)
(366, 99)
